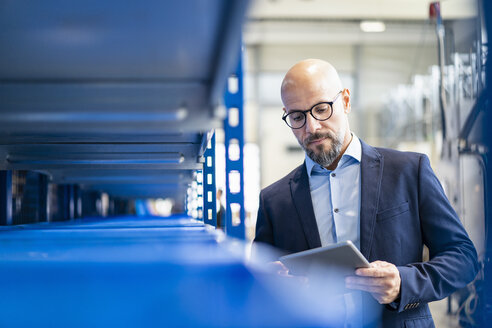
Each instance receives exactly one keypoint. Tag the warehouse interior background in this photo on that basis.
(386, 52)
(391, 75)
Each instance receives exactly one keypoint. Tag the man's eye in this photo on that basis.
(296, 117)
(321, 109)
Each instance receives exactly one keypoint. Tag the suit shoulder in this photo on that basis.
(397, 157)
(282, 183)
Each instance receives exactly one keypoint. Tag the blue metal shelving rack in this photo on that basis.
(234, 150)
(209, 185)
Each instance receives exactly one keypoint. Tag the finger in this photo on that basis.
(381, 298)
(278, 268)
(372, 272)
(370, 281)
(384, 285)
(365, 288)
(279, 265)
(378, 297)
(374, 268)
(380, 271)
(379, 264)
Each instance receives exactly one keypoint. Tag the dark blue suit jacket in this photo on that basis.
(403, 207)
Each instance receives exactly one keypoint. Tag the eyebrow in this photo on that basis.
(302, 110)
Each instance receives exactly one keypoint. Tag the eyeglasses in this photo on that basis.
(322, 111)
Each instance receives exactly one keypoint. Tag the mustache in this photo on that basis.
(316, 136)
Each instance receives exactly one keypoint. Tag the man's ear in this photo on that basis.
(346, 101)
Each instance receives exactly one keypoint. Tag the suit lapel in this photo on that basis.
(371, 176)
(301, 196)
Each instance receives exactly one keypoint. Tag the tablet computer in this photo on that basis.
(340, 259)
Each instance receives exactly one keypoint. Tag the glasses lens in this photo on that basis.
(321, 111)
(296, 119)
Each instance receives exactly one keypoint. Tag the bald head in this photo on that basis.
(307, 87)
(309, 76)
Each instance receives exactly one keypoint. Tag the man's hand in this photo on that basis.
(279, 268)
(382, 280)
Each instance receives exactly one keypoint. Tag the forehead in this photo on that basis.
(307, 95)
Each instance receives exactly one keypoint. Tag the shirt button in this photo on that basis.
(335, 210)
(333, 175)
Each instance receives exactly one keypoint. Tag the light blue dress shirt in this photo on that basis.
(336, 203)
(336, 196)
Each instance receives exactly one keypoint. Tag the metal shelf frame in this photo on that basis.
(234, 150)
(209, 184)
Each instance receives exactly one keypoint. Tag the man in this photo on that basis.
(388, 203)
(220, 210)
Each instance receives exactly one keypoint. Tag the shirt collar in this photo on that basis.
(352, 154)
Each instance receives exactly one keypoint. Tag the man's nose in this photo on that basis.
(312, 124)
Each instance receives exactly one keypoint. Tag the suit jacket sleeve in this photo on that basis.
(453, 259)
(264, 231)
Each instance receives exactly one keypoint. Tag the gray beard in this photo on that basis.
(322, 157)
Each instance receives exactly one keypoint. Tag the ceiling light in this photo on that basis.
(372, 26)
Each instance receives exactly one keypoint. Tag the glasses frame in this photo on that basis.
(310, 111)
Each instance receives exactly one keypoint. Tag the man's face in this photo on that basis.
(321, 140)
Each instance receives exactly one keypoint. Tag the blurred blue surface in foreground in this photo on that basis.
(143, 272)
